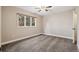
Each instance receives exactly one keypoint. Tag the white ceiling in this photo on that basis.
(54, 9)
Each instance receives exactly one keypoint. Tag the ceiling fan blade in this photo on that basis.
(46, 10)
(48, 6)
(39, 10)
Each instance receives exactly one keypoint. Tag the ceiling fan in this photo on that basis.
(43, 8)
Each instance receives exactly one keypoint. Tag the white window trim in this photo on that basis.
(18, 22)
(17, 15)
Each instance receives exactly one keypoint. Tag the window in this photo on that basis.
(27, 20)
(24, 20)
(33, 21)
(21, 20)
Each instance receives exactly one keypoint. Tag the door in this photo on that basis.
(0, 26)
(74, 26)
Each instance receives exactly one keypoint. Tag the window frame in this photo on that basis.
(25, 20)
(34, 21)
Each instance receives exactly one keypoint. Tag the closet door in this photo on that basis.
(74, 26)
(0, 26)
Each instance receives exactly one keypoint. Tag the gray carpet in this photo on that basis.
(41, 43)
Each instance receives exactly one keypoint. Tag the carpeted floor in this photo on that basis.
(41, 43)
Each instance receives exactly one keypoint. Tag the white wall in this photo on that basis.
(0, 26)
(59, 24)
(11, 31)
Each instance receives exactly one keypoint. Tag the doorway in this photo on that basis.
(74, 26)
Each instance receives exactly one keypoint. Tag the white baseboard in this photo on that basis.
(32, 36)
(19, 39)
(58, 36)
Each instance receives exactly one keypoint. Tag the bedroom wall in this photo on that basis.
(0, 26)
(10, 30)
(59, 24)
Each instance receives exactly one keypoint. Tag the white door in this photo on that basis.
(0, 26)
(74, 26)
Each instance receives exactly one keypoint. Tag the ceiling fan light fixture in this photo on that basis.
(43, 8)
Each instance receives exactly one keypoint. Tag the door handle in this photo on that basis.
(73, 28)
